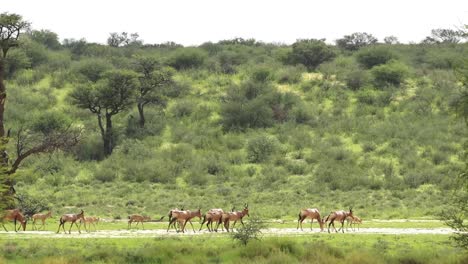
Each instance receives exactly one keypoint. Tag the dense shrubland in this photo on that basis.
(282, 127)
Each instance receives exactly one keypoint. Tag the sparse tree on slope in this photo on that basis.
(106, 98)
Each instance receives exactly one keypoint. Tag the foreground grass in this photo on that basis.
(305, 249)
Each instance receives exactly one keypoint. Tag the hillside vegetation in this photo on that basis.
(239, 121)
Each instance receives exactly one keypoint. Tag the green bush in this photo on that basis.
(374, 56)
(105, 174)
(357, 79)
(187, 58)
(260, 148)
(290, 74)
(311, 53)
(92, 69)
(392, 73)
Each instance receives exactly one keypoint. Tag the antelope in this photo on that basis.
(14, 215)
(235, 216)
(89, 220)
(70, 218)
(352, 221)
(138, 219)
(183, 217)
(339, 216)
(213, 215)
(312, 213)
(171, 215)
(41, 217)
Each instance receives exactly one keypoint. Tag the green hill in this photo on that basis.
(276, 126)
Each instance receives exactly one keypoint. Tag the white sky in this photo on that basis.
(192, 22)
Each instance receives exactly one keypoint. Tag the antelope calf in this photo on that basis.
(89, 220)
(338, 216)
(138, 219)
(70, 218)
(235, 216)
(312, 213)
(353, 221)
(13, 215)
(41, 217)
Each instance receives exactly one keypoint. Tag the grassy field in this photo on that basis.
(350, 248)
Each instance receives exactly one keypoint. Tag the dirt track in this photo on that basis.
(266, 232)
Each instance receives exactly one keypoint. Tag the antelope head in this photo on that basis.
(246, 209)
(351, 211)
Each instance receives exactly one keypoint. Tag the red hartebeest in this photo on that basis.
(339, 216)
(89, 220)
(138, 219)
(235, 216)
(13, 215)
(70, 218)
(312, 213)
(172, 213)
(183, 217)
(353, 221)
(213, 215)
(41, 217)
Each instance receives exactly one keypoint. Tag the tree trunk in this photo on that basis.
(2, 96)
(142, 115)
(108, 136)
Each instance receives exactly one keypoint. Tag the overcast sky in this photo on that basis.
(192, 22)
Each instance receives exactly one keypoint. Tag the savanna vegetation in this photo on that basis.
(127, 127)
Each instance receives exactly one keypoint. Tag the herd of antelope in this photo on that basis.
(178, 219)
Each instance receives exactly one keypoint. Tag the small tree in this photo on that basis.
(154, 81)
(106, 98)
(251, 230)
(356, 41)
(457, 213)
(311, 53)
(46, 38)
(11, 26)
(391, 40)
(441, 35)
(123, 39)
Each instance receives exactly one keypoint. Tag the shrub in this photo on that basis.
(182, 108)
(311, 53)
(261, 148)
(105, 174)
(290, 74)
(251, 230)
(187, 58)
(374, 56)
(357, 79)
(392, 73)
(92, 69)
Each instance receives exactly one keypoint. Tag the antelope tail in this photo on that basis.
(299, 217)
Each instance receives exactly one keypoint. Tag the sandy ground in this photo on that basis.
(266, 232)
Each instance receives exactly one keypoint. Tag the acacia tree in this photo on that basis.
(356, 41)
(311, 52)
(106, 98)
(116, 40)
(456, 215)
(153, 83)
(441, 35)
(11, 26)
